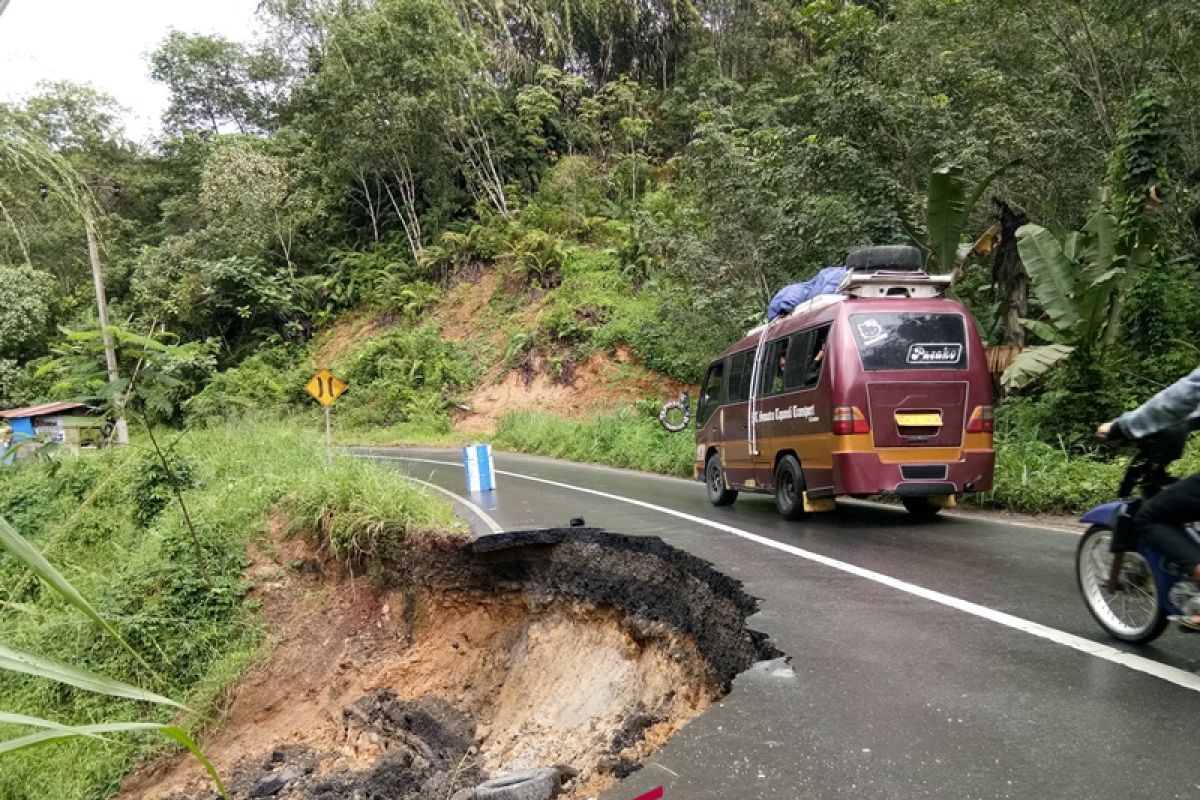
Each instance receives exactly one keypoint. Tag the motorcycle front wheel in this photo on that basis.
(1133, 613)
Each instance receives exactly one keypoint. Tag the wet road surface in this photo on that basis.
(946, 659)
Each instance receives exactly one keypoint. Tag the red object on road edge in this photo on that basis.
(653, 794)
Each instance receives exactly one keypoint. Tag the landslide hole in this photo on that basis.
(572, 647)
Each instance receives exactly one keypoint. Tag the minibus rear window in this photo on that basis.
(909, 340)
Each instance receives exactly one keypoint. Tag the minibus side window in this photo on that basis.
(778, 358)
(740, 370)
(793, 377)
(817, 358)
(710, 398)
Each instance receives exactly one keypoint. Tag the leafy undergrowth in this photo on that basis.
(1038, 478)
(629, 438)
(111, 525)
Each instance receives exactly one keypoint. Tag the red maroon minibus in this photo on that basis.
(882, 388)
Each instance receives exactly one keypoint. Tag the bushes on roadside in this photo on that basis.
(270, 380)
(631, 438)
(403, 375)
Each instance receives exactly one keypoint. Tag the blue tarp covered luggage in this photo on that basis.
(786, 299)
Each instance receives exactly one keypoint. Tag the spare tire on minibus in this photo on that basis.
(902, 257)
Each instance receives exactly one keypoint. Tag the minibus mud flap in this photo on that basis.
(814, 505)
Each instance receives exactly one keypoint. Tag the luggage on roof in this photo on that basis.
(786, 299)
(884, 270)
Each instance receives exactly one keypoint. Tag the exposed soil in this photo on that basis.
(458, 313)
(562, 647)
(339, 339)
(602, 382)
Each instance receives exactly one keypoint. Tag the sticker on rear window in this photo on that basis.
(946, 353)
(871, 332)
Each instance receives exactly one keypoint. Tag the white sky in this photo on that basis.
(106, 43)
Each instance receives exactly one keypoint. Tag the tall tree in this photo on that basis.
(216, 85)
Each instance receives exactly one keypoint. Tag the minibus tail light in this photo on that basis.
(848, 420)
(983, 420)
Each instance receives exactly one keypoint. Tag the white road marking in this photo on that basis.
(1146, 666)
(960, 512)
(492, 525)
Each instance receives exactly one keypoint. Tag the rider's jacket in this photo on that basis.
(1171, 406)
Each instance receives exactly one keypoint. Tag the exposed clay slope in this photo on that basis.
(522, 649)
(601, 382)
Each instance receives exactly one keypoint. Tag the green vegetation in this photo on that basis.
(43, 668)
(635, 179)
(628, 438)
(109, 522)
(647, 187)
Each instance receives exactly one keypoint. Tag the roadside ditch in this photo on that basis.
(571, 651)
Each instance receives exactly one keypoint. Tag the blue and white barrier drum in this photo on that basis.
(481, 472)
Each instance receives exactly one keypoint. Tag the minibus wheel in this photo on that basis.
(714, 478)
(789, 488)
(921, 507)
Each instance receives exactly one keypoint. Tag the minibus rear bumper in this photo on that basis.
(867, 473)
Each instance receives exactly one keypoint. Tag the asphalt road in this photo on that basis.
(951, 659)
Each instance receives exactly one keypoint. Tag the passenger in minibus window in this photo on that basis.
(814, 367)
(777, 384)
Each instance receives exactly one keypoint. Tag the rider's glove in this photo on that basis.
(1116, 432)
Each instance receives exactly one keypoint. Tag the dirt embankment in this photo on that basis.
(568, 647)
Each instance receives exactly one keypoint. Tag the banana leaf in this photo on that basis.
(1034, 362)
(945, 214)
(1043, 331)
(1051, 274)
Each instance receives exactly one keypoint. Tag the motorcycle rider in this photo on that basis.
(1161, 518)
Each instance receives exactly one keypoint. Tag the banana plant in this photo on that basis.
(949, 201)
(1076, 281)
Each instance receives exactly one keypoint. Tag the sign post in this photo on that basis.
(325, 387)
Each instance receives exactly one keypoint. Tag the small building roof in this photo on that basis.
(39, 411)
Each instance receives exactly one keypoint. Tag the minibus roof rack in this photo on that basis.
(894, 283)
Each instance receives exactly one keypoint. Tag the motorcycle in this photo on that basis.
(1129, 588)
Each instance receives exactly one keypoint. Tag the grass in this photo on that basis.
(198, 636)
(629, 438)
(426, 433)
(1038, 478)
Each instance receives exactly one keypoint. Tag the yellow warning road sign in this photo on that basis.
(325, 387)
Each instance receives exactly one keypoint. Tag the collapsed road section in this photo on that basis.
(517, 666)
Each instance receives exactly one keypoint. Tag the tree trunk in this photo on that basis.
(1008, 274)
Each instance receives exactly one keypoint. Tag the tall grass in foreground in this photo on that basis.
(628, 438)
(30, 664)
(119, 539)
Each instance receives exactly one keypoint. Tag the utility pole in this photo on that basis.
(110, 354)
(92, 187)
